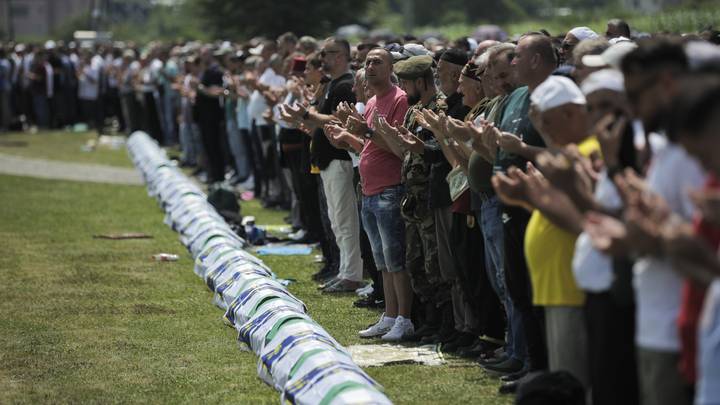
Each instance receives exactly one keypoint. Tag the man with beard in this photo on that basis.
(449, 68)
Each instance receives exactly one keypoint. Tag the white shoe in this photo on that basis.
(381, 328)
(364, 291)
(296, 236)
(402, 327)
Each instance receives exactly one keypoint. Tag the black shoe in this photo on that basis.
(369, 302)
(324, 274)
(421, 332)
(464, 339)
(508, 387)
(506, 367)
(514, 376)
(492, 360)
(475, 350)
(438, 338)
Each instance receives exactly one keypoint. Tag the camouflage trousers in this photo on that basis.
(421, 261)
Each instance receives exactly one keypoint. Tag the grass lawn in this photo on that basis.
(90, 320)
(64, 146)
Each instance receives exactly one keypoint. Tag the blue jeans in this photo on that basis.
(492, 227)
(170, 100)
(237, 148)
(385, 228)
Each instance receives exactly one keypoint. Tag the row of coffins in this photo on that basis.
(296, 355)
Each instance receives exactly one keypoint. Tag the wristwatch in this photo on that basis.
(306, 115)
(369, 133)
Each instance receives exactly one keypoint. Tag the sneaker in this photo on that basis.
(382, 327)
(328, 283)
(342, 286)
(365, 290)
(299, 235)
(402, 327)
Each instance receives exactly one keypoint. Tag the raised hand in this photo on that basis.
(708, 204)
(607, 234)
(510, 143)
(287, 116)
(636, 193)
(567, 171)
(383, 128)
(456, 129)
(356, 124)
(512, 189)
(296, 111)
(409, 141)
(609, 130)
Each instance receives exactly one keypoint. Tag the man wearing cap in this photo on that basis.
(440, 325)
(610, 319)
(572, 38)
(550, 239)
(611, 57)
(449, 70)
(421, 251)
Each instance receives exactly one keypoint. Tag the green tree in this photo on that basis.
(247, 18)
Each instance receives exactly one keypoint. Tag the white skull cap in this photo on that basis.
(556, 91)
(583, 33)
(606, 79)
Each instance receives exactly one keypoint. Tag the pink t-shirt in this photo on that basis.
(380, 169)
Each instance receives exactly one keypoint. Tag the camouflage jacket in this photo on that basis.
(415, 168)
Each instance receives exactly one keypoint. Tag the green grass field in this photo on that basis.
(63, 146)
(86, 320)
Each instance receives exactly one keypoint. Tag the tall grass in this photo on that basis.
(678, 20)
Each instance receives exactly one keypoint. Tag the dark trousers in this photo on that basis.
(329, 247)
(611, 345)
(484, 315)
(151, 121)
(90, 114)
(258, 159)
(365, 248)
(305, 186)
(211, 133)
(517, 280)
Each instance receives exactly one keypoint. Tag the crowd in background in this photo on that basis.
(544, 203)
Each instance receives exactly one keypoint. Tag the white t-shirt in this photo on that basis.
(672, 174)
(88, 85)
(257, 105)
(592, 268)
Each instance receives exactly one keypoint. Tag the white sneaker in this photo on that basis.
(364, 291)
(402, 327)
(296, 236)
(380, 328)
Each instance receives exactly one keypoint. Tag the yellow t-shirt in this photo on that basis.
(549, 252)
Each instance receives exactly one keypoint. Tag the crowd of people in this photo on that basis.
(540, 204)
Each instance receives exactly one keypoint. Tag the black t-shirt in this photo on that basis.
(212, 76)
(439, 168)
(338, 90)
